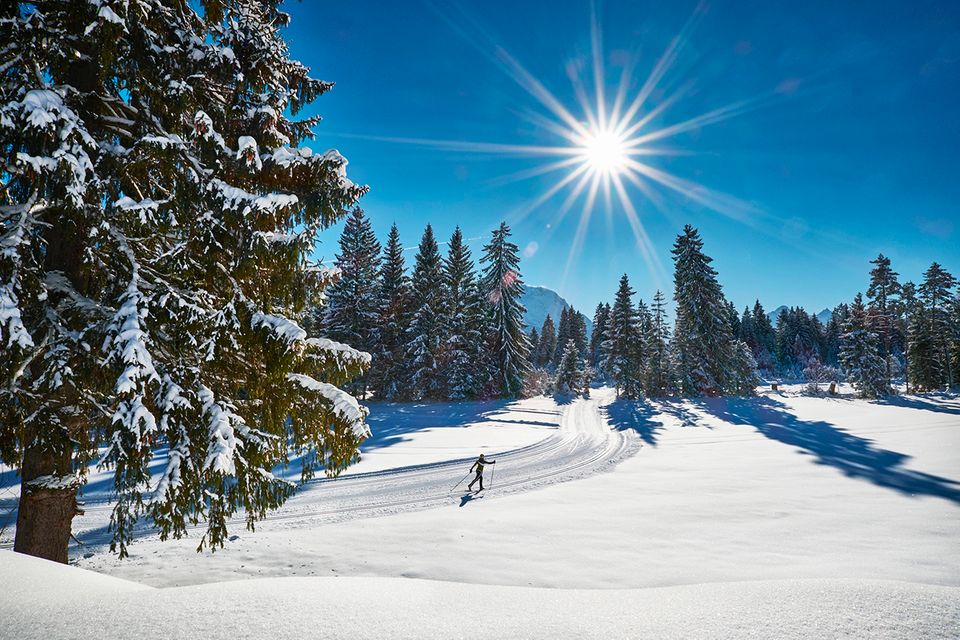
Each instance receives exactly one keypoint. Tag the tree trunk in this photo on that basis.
(45, 515)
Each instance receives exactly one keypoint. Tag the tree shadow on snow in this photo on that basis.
(856, 457)
(937, 403)
(635, 415)
(563, 399)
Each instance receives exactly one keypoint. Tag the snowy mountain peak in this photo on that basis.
(540, 301)
(823, 316)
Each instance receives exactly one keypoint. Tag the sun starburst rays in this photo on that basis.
(606, 155)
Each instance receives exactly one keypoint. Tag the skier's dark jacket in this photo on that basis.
(480, 462)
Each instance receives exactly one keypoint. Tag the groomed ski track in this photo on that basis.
(582, 445)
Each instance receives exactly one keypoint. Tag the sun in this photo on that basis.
(604, 152)
(606, 146)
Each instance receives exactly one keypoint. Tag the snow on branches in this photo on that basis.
(157, 215)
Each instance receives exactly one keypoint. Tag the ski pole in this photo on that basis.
(461, 480)
(493, 470)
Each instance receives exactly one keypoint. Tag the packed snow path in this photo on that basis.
(582, 444)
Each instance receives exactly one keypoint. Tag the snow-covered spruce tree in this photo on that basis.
(705, 351)
(883, 309)
(352, 310)
(547, 344)
(658, 375)
(766, 338)
(426, 333)
(478, 324)
(931, 333)
(463, 336)
(644, 320)
(955, 346)
(503, 289)
(832, 333)
(156, 215)
(936, 296)
(534, 338)
(735, 328)
(578, 332)
(598, 335)
(745, 376)
(563, 334)
(389, 373)
(621, 347)
(860, 354)
(922, 373)
(906, 310)
(569, 374)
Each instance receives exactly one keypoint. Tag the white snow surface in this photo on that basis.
(56, 601)
(781, 516)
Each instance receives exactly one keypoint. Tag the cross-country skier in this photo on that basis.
(479, 466)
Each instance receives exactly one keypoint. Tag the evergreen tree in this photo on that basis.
(156, 225)
(426, 333)
(462, 336)
(765, 337)
(747, 331)
(504, 288)
(922, 374)
(389, 374)
(860, 354)
(352, 310)
(644, 321)
(931, 332)
(706, 356)
(569, 374)
(658, 376)
(955, 349)
(800, 341)
(477, 321)
(563, 334)
(832, 333)
(547, 344)
(599, 334)
(745, 376)
(735, 327)
(578, 333)
(907, 309)
(623, 337)
(534, 338)
(882, 308)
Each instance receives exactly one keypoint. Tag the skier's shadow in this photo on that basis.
(468, 497)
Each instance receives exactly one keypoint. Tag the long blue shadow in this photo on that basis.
(856, 457)
(945, 403)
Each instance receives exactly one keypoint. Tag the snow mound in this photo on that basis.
(56, 601)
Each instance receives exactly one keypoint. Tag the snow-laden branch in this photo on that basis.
(343, 405)
(282, 328)
(340, 351)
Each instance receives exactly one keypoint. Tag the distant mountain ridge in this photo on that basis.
(540, 302)
(823, 316)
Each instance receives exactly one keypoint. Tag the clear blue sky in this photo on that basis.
(854, 148)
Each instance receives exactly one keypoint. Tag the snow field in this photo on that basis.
(781, 516)
(376, 608)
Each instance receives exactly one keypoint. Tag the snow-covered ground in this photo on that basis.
(54, 601)
(776, 516)
(423, 433)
